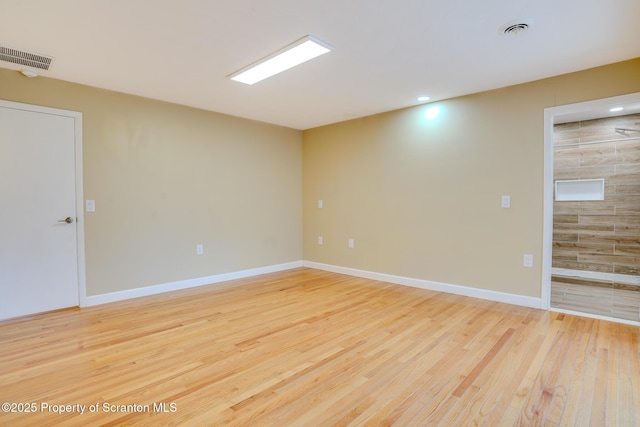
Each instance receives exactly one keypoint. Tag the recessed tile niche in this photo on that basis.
(580, 190)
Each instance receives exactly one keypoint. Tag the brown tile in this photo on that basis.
(560, 255)
(625, 179)
(628, 147)
(565, 237)
(597, 150)
(617, 239)
(566, 174)
(567, 151)
(627, 230)
(627, 209)
(604, 258)
(599, 160)
(602, 207)
(629, 157)
(566, 208)
(607, 249)
(574, 265)
(626, 287)
(594, 172)
(570, 219)
(633, 250)
(581, 281)
(561, 127)
(625, 269)
(596, 219)
(629, 219)
(631, 199)
(627, 189)
(564, 163)
(567, 135)
(609, 122)
(602, 134)
(629, 169)
(575, 228)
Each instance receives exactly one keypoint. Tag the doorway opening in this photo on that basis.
(42, 245)
(591, 248)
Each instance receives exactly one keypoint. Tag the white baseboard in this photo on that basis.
(525, 301)
(184, 284)
(400, 280)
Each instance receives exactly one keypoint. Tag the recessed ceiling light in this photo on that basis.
(613, 110)
(423, 98)
(289, 56)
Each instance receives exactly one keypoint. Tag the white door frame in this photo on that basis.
(549, 119)
(77, 120)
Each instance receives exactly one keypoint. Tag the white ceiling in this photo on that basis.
(387, 52)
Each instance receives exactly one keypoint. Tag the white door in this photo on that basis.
(38, 244)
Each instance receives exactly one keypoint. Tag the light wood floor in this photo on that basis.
(311, 348)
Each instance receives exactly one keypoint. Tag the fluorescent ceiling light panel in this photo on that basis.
(294, 54)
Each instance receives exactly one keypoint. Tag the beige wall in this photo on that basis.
(167, 177)
(422, 198)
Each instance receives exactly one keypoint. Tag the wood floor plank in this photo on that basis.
(307, 347)
(588, 387)
(561, 389)
(634, 375)
(613, 381)
(518, 412)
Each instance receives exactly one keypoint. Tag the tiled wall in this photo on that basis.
(602, 236)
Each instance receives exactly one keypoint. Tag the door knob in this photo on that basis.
(68, 220)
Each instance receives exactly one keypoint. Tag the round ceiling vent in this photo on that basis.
(514, 28)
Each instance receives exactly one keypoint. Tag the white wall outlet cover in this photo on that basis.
(320, 203)
(90, 205)
(320, 240)
(527, 260)
(199, 249)
(351, 243)
(506, 201)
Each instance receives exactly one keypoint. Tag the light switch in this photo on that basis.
(320, 203)
(351, 243)
(528, 260)
(320, 240)
(90, 205)
(506, 202)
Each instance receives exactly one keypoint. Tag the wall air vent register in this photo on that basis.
(27, 59)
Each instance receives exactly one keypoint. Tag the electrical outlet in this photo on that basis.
(320, 203)
(90, 205)
(320, 240)
(527, 260)
(351, 243)
(506, 202)
(199, 249)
